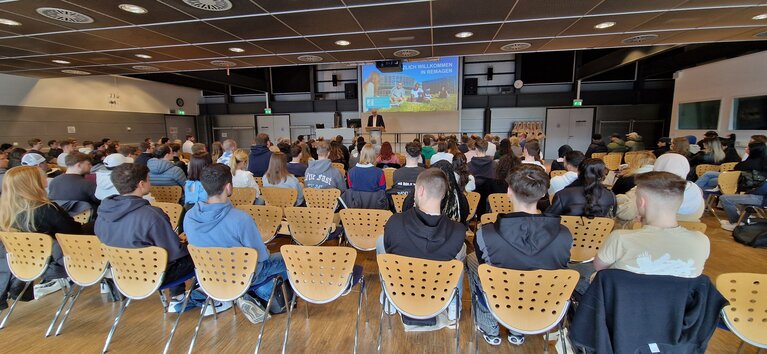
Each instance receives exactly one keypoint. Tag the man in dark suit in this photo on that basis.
(375, 119)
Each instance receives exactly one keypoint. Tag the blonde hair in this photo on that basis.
(641, 158)
(367, 154)
(306, 154)
(23, 192)
(681, 146)
(514, 141)
(216, 150)
(278, 168)
(238, 156)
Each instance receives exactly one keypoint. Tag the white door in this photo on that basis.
(581, 126)
(277, 126)
(557, 132)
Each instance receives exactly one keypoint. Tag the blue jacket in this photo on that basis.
(194, 192)
(367, 179)
(165, 173)
(258, 160)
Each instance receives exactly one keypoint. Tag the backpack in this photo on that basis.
(750, 181)
(754, 235)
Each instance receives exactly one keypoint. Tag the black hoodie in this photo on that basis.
(130, 222)
(414, 233)
(524, 241)
(596, 146)
(258, 160)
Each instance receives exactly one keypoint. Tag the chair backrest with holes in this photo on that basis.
(588, 235)
(727, 166)
(267, 218)
(703, 168)
(613, 160)
(528, 302)
(83, 258)
(500, 203)
(364, 226)
(419, 288)
(83, 217)
(28, 253)
(137, 272)
(322, 198)
(243, 196)
(746, 315)
(389, 176)
(402, 159)
(399, 201)
(556, 173)
(488, 218)
(173, 210)
(598, 155)
(728, 182)
(281, 197)
(224, 274)
(309, 226)
(340, 167)
(167, 194)
(301, 180)
(319, 274)
(473, 199)
(259, 182)
(693, 226)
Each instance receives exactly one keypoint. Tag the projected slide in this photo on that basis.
(423, 86)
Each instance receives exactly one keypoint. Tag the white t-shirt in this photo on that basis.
(60, 160)
(491, 148)
(187, 147)
(559, 183)
(244, 179)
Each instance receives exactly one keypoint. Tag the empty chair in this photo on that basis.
(173, 210)
(728, 184)
(556, 173)
(419, 288)
(83, 217)
(340, 167)
(746, 315)
(613, 160)
(167, 194)
(280, 197)
(488, 218)
(473, 199)
(28, 255)
(500, 203)
(703, 168)
(588, 235)
(322, 198)
(268, 219)
(363, 227)
(527, 302)
(320, 275)
(399, 201)
(598, 155)
(243, 196)
(727, 166)
(389, 176)
(309, 226)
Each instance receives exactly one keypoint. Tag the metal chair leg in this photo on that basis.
(457, 323)
(289, 304)
(306, 309)
(359, 308)
(164, 301)
(388, 306)
(69, 309)
(213, 305)
(58, 311)
(380, 326)
(742, 345)
(546, 342)
(562, 336)
(114, 326)
(13, 306)
(367, 305)
(275, 283)
(476, 329)
(197, 328)
(178, 319)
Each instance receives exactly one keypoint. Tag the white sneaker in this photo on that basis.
(251, 309)
(104, 288)
(727, 225)
(221, 306)
(174, 306)
(712, 190)
(50, 287)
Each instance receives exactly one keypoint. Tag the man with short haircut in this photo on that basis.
(406, 176)
(258, 160)
(491, 148)
(321, 173)
(129, 221)
(295, 167)
(73, 185)
(187, 147)
(573, 159)
(67, 146)
(463, 147)
(35, 145)
(229, 146)
(661, 247)
(162, 171)
(217, 223)
(88, 147)
(128, 151)
(54, 149)
(426, 150)
(347, 155)
(482, 166)
(147, 152)
(198, 148)
(522, 240)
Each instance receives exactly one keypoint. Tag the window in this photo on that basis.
(750, 113)
(699, 115)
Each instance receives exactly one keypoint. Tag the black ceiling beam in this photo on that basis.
(618, 59)
(181, 80)
(694, 55)
(233, 79)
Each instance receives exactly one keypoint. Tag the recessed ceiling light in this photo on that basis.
(64, 15)
(210, 5)
(143, 56)
(407, 53)
(604, 25)
(59, 61)
(761, 35)
(464, 34)
(134, 9)
(145, 68)
(512, 47)
(310, 58)
(7, 22)
(223, 63)
(760, 17)
(343, 42)
(236, 50)
(640, 38)
(75, 72)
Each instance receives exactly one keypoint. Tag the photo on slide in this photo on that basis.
(421, 86)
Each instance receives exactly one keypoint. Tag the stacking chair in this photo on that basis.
(693, 226)
(85, 264)
(363, 227)
(309, 226)
(28, 255)
(322, 198)
(500, 203)
(267, 218)
(340, 167)
(598, 155)
(389, 176)
(84, 217)
(703, 168)
(173, 210)
(727, 166)
(259, 182)
(138, 273)
(556, 173)
(243, 196)
(473, 198)
(320, 275)
(399, 201)
(613, 160)
(419, 288)
(527, 302)
(746, 315)
(281, 197)
(301, 180)
(402, 159)
(728, 184)
(588, 235)
(167, 194)
(488, 218)
(630, 158)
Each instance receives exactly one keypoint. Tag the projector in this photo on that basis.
(389, 66)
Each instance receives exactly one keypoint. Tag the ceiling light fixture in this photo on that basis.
(464, 34)
(236, 50)
(760, 17)
(75, 72)
(640, 38)
(407, 53)
(513, 47)
(210, 5)
(310, 58)
(7, 22)
(343, 42)
(64, 15)
(59, 61)
(134, 9)
(143, 56)
(145, 68)
(604, 25)
(761, 35)
(223, 63)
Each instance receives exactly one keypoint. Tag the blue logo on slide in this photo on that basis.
(377, 102)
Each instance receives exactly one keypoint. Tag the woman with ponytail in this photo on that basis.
(587, 196)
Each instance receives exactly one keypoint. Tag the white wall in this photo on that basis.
(725, 80)
(93, 93)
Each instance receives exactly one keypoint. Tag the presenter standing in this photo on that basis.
(375, 127)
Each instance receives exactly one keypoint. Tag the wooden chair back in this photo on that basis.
(281, 197)
(27, 253)
(84, 259)
(259, 182)
(588, 235)
(322, 198)
(399, 201)
(319, 274)
(746, 315)
(598, 155)
(419, 288)
(167, 194)
(267, 218)
(488, 218)
(402, 159)
(389, 176)
(473, 199)
(173, 210)
(243, 196)
(224, 274)
(84, 217)
(363, 227)
(137, 272)
(309, 226)
(693, 225)
(340, 167)
(728, 182)
(556, 173)
(727, 166)
(703, 168)
(500, 203)
(613, 160)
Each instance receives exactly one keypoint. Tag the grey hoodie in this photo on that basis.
(165, 173)
(322, 175)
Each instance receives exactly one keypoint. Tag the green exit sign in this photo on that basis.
(577, 102)
(267, 111)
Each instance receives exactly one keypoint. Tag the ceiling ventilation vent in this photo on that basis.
(407, 53)
(642, 38)
(513, 47)
(210, 5)
(64, 15)
(310, 58)
(761, 35)
(75, 72)
(223, 63)
(146, 68)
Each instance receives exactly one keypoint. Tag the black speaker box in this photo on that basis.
(470, 85)
(350, 91)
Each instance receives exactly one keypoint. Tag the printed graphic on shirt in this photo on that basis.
(663, 266)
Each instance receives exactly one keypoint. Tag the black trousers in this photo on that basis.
(177, 270)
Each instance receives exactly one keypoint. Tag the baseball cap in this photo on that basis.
(115, 160)
(32, 159)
